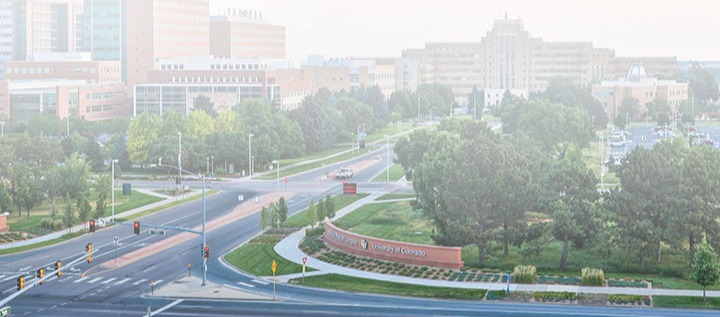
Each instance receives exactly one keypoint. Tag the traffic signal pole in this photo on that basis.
(43, 279)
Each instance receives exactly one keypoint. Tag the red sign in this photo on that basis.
(349, 188)
(286, 180)
(304, 260)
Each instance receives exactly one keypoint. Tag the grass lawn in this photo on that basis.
(257, 259)
(683, 302)
(315, 156)
(341, 201)
(390, 129)
(41, 244)
(354, 284)
(32, 224)
(392, 221)
(396, 196)
(166, 206)
(306, 167)
(396, 172)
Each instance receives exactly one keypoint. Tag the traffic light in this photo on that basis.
(207, 252)
(58, 265)
(88, 250)
(136, 227)
(92, 225)
(20, 282)
(41, 274)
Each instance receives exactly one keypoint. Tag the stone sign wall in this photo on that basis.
(410, 253)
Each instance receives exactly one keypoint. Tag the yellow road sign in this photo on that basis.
(274, 266)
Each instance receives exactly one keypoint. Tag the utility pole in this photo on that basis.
(250, 154)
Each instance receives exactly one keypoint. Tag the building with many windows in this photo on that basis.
(22, 100)
(638, 85)
(245, 34)
(103, 29)
(77, 66)
(509, 58)
(226, 82)
(6, 41)
(162, 29)
(45, 26)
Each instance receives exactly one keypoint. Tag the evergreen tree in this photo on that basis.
(321, 212)
(93, 155)
(264, 219)
(330, 206)
(282, 209)
(706, 269)
(312, 213)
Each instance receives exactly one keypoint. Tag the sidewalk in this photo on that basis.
(189, 287)
(289, 249)
(166, 200)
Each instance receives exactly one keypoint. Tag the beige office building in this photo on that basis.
(45, 26)
(245, 34)
(637, 84)
(508, 58)
(164, 29)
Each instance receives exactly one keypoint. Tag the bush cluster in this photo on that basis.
(626, 283)
(50, 224)
(564, 280)
(592, 277)
(496, 295)
(629, 299)
(554, 296)
(524, 274)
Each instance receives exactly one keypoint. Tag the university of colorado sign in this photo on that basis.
(416, 254)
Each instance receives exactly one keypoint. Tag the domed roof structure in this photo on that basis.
(636, 72)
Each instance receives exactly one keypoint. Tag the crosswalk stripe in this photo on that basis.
(81, 279)
(95, 280)
(157, 282)
(7, 278)
(245, 284)
(261, 282)
(140, 281)
(122, 282)
(109, 280)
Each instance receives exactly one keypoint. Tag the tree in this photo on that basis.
(706, 269)
(403, 103)
(330, 206)
(204, 103)
(264, 219)
(569, 196)
(317, 124)
(274, 217)
(5, 201)
(74, 177)
(200, 124)
(312, 213)
(120, 152)
(100, 207)
(227, 121)
(563, 90)
(321, 212)
(94, 154)
(84, 208)
(702, 84)
(552, 126)
(69, 215)
(143, 130)
(282, 209)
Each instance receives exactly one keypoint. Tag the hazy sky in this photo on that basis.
(688, 29)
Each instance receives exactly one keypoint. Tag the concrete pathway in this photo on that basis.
(189, 287)
(166, 200)
(289, 249)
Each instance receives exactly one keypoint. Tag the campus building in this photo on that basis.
(68, 66)
(246, 34)
(104, 30)
(163, 29)
(22, 100)
(508, 58)
(227, 82)
(637, 84)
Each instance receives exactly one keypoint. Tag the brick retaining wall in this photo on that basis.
(409, 253)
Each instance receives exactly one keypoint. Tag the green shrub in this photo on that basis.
(625, 283)
(554, 296)
(496, 295)
(592, 277)
(524, 274)
(317, 231)
(57, 225)
(629, 299)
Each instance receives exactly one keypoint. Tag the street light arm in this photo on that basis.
(180, 169)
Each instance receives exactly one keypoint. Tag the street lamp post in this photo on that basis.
(250, 154)
(207, 165)
(387, 170)
(358, 135)
(2, 127)
(112, 187)
(627, 120)
(212, 165)
(418, 106)
(277, 166)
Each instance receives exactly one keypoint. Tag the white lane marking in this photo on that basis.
(122, 282)
(7, 278)
(261, 282)
(109, 280)
(156, 283)
(95, 280)
(25, 269)
(245, 284)
(140, 281)
(81, 279)
(166, 307)
(9, 290)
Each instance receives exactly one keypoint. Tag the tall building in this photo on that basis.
(104, 30)
(162, 29)
(6, 48)
(245, 34)
(507, 58)
(45, 26)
